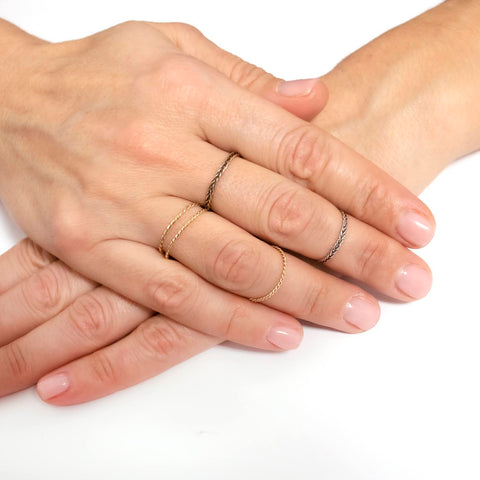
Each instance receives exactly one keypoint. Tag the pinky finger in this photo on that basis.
(152, 348)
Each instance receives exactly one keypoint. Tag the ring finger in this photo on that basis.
(234, 260)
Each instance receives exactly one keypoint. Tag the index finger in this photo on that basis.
(267, 135)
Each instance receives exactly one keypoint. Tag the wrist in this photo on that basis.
(412, 92)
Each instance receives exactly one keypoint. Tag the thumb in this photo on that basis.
(303, 98)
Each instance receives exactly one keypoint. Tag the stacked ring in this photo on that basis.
(166, 251)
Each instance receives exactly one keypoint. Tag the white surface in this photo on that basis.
(399, 402)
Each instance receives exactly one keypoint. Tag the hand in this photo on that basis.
(47, 306)
(348, 328)
(133, 129)
(52, 317)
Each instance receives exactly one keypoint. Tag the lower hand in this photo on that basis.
(52, 316)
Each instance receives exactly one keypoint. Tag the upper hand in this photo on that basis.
(120, 130)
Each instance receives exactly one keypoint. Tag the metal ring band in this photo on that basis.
(170, 225)
(340, 239)
(280, 281)
(189, 222)
(207, 205)
(166, 252)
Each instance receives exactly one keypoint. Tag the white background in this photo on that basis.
(399, 402)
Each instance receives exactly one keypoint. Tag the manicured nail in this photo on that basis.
(414, 281)
(52, 386)
(284, 337)
(361, 313)
(296, 88)
(415, 229)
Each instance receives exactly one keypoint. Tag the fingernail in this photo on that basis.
(361, 313)
(415, 229)
(414, 281)
(52, 386)
(296, 88)
(284, 337)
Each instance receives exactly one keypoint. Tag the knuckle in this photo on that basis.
(370, 258)
(315, 300)
(138, 139)
(91, 317)
(171, 293)
(103, 369)
(31, 254)
(236, 321)
(247, 75)
(304, 153)
(16, 362)
(43, 292)
(289, 214)
(132, 29)
(369, 198)
(181, 76)
(185, 32)
(235, 265)
(68, 228)
(161, 338)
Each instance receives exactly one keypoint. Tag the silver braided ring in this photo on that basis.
(207, 205)
(340, 239)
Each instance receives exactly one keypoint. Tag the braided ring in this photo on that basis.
(340, 239)
(280, 281)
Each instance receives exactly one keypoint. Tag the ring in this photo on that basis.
(280, 281)
(340, 239)
(166, 251)
(207, 205)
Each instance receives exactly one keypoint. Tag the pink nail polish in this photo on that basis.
(284, 337)
(361, 313)
(414, 281)
(415, 229)
(53, 385)
(296, 88)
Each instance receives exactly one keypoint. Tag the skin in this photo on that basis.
(158, 343)
(421, 76)
(125, 128)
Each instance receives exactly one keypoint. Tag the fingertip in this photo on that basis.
(285, 336)
(50, 387)
(414, 280)
(362, 313)
(416, 228)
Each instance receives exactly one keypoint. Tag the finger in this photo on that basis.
(91, 322)
(39, 298)
(155, 346)
(272, 138)
(142, 274)
(304, 98)
(239, 262)
(234, 260)
(20, 262)
(282, 212)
